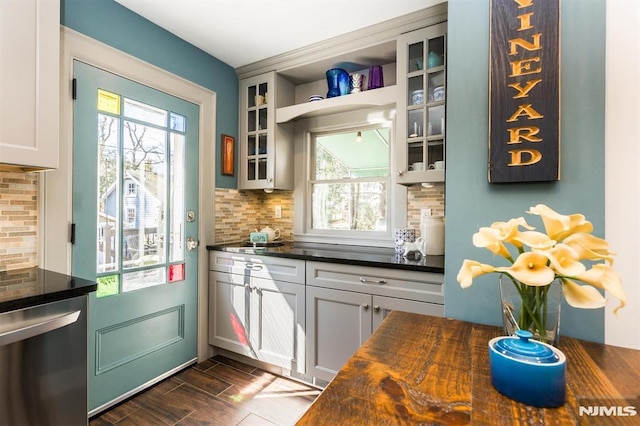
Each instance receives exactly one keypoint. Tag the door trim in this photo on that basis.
(56, 185)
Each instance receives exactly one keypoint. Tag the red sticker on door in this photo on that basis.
(176, 272)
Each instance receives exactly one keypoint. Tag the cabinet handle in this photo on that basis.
(364, 280)
(365, 306)
(376, 308)
(253, 267)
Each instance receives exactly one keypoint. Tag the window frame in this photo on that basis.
(397, 194)
(310, 181)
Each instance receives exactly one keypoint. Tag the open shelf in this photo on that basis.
(377, 97)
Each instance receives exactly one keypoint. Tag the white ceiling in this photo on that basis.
(240, 32)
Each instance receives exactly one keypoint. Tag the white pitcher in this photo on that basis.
(272, 234)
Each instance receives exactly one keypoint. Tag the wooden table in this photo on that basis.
(417, 369)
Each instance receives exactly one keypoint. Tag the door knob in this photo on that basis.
(192, 243)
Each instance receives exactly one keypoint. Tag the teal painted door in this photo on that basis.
(135, 194)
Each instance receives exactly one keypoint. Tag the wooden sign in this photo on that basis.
(524, 92)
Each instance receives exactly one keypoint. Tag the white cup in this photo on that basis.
(417, 166)
(437, 165)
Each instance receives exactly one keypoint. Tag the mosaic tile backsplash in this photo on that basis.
(18, 220)
(240, 212)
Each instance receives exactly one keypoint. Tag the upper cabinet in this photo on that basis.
(277, 92)
(29, 83)
(421, 114)
(266, 150)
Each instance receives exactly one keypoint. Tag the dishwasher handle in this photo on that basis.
(32, 328)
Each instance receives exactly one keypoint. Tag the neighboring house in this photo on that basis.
(142, 213)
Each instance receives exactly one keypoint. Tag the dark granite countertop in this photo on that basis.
(380, 257)
(27, 287)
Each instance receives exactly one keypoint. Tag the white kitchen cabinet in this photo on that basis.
(254, 314)
(421, 119)
(29, 83)
(266, 150)
(346, 303)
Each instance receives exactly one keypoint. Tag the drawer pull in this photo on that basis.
(253, 267)
(364, 280)
(365, 306)
(376, 308)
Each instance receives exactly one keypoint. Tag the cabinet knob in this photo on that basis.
(400, 172)
(376, 308)
(365, 306)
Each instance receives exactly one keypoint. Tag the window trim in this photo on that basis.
(310, 181)
(397, 201)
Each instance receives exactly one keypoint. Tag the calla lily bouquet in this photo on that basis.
(537, 259)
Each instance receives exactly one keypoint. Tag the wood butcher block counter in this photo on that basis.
(417, 369)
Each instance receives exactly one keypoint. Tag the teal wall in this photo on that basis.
(471, 202)
(115, 25)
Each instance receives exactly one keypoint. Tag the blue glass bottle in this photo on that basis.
(338, 82)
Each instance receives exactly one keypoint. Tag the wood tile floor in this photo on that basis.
(218, 391)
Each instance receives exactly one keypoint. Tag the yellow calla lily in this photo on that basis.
(582, 296)
(564, 260)
(471, 269)
(559, 226)
(605, 277)
(589, 247)
(538, 258)
(491, 239)
(530, 268)
(535, 240)
(509, 230)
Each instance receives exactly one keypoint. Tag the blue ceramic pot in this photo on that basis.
(338, 82)
(528, 371)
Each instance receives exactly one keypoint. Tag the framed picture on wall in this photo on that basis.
(228, 155)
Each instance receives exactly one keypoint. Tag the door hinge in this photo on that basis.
(74, 89)
(73, 233)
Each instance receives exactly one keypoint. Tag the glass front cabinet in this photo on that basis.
(421, 66)
(266, 155)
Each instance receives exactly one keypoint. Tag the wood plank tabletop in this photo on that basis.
(418, 369)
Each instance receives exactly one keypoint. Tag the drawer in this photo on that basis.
(270, 267)
(413, 285)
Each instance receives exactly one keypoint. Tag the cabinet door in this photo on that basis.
(383, 305)
(338, 323)
(229, 302)
(257, 120)
(277, 323)
(29, 82)
(421, 67)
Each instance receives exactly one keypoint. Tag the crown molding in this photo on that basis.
(370, 36)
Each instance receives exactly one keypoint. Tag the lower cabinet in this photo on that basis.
(261, 318)
(339, 320)
(308, 317)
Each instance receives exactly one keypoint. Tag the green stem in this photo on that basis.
(534, 307)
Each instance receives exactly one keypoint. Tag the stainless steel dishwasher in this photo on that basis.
(43, 364)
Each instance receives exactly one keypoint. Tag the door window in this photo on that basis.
(141, 163)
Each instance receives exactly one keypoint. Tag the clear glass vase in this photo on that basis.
(533, 308)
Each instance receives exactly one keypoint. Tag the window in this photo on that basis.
(349, 182)
(131, 215)
(131, 188)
